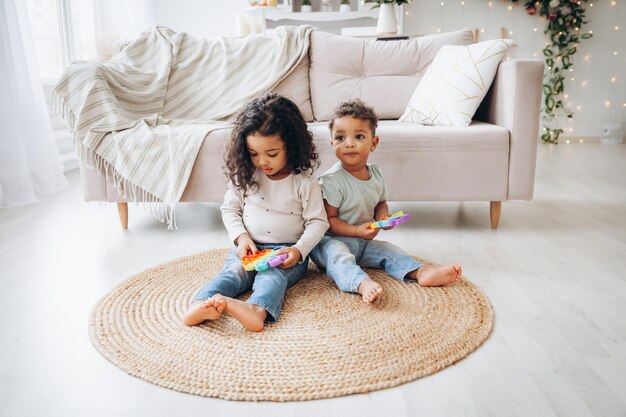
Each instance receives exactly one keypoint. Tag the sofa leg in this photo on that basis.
(122, 210)
(494, 213)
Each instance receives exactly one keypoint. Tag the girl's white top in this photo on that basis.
(284, 211)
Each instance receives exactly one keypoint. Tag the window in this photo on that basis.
(63, 31)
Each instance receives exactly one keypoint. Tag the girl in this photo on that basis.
(273, 202)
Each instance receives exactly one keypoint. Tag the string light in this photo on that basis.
(579, 84)
(614, 92)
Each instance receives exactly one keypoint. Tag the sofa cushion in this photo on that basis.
(456, 83)
(295, 87)
(419, 163)
(436, 163)
(384, 74)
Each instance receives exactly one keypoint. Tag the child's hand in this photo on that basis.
(385, 217)
(245, 245)
(294, 257)
(364, 232)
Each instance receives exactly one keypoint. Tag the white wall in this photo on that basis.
(594, 98)
(126, 18)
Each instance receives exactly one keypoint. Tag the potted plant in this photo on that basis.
(387, 22)
(398, 2)
(345, 6)
(306, 6)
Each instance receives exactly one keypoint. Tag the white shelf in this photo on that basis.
(320, 16)
(259, 18)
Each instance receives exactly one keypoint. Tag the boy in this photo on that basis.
(354, 196)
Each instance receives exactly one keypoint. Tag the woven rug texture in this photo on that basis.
(325, 344)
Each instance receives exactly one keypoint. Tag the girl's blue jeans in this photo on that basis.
(343, 257)
(268, 287)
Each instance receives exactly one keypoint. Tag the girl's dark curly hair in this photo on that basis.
(268, 115)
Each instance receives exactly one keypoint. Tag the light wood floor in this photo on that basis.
(554, 271)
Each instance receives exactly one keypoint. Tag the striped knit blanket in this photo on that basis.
(141, 117)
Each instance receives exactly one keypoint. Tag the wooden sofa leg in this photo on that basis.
(122, 210)
(494, 213)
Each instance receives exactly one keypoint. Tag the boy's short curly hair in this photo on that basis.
(355, 108)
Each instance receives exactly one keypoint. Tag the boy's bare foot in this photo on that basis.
(251, 316)
(370, 290)
(202, 310)
(437, 275)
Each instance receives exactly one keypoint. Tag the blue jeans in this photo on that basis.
(268, 287)
(343, 257)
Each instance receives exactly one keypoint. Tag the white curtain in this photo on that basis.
(30, 166)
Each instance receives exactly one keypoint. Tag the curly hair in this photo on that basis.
(268, 115)
(355, 108)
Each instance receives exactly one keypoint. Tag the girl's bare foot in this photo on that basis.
(251, 316)
(370, 290)
(437, 275)
(202, 310)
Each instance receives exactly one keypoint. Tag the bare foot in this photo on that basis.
(370, 290)
(200, 310)
(437, 275)
(251, 316)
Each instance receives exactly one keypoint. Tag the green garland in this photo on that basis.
(565, 20)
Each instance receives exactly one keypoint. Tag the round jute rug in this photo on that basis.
(325, 344)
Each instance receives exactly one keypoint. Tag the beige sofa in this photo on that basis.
(491, 160)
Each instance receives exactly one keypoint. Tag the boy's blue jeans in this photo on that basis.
(343, 257)
(268, 287)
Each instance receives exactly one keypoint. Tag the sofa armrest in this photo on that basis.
(513, 102)
(94, 186)
(97, 188)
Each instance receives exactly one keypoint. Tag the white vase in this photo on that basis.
(305, 8)
(345, 8)
(326, 6)
(387, 23)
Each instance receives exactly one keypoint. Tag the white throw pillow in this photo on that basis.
(455, 84)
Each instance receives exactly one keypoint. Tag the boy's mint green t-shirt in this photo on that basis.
(355, 199)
